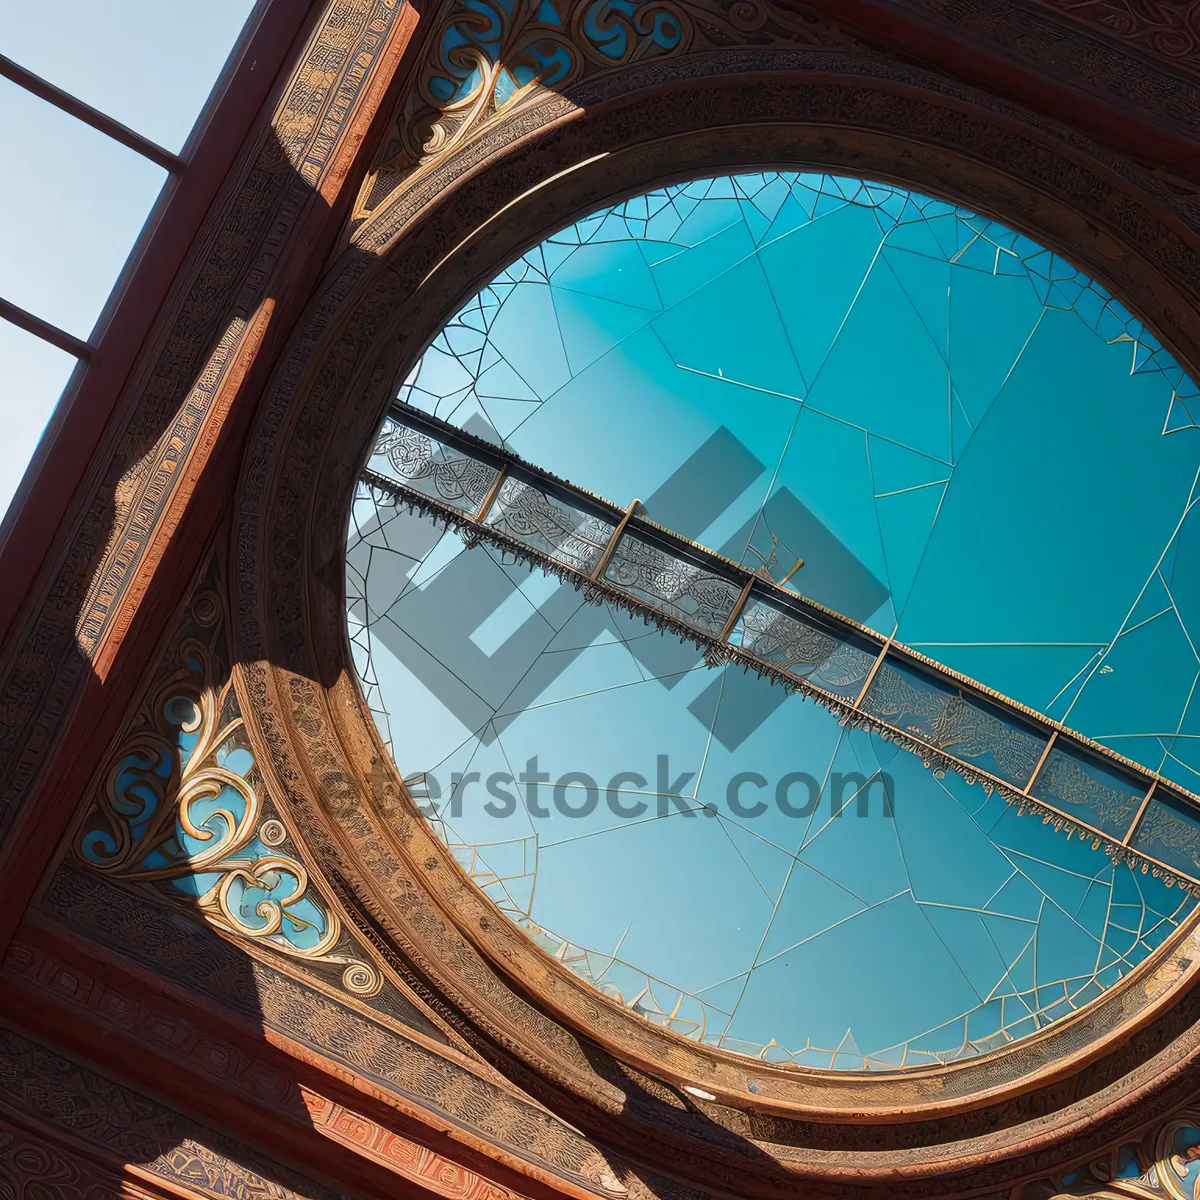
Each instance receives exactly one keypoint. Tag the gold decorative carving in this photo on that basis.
(491, 58)
(181, 807)
(1163, 1165)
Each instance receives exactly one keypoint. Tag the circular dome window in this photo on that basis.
(707, 582)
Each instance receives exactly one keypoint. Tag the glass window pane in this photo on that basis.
(1170, 832)
(1101, 795)
(948, 718)
(682, 590)
(805, 647)
(431, 468)
(70, 215)
(148, 64)
(529, 516)
(34, 375)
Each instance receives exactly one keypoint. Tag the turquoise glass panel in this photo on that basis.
(1170, 832)
(1095, 792)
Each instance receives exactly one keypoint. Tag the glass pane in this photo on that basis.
(567, 535)
(805, 647)
(146, 63)
(1170, 832)
(431, 468)
(950, 719)
(69, 213)
(1101, 795)
(34, 375)
(680, 589)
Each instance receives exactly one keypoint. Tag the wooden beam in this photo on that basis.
(24, 319)
(45, 90)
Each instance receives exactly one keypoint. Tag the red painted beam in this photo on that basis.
(181, 1047)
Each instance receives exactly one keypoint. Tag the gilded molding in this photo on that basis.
(181, 809)
(137, 925)
(1163, 1164)
(486, 61)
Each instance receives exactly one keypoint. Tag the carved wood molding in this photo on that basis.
(125, 1132)
(228, 1074)
(1164, 29)
(479, 60)
(32, 1164)
(1055, 59)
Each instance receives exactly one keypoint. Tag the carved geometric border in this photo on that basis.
(129, 1131)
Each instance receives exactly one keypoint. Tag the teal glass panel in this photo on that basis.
(1098, 793)
(953, 720)
(952, 428)
(1170, 832)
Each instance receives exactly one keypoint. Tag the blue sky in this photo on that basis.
(72, 213)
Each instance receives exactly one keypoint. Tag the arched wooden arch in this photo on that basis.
(434, 233)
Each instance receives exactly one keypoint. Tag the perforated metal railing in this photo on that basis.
(615, 555)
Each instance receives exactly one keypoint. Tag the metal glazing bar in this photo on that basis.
(1141, 812)
(486, 506)
(787, 578)
(47, 91)
(870, 679)
(1041, 762)
(44, 330)
(736, 611)
(609, 550)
